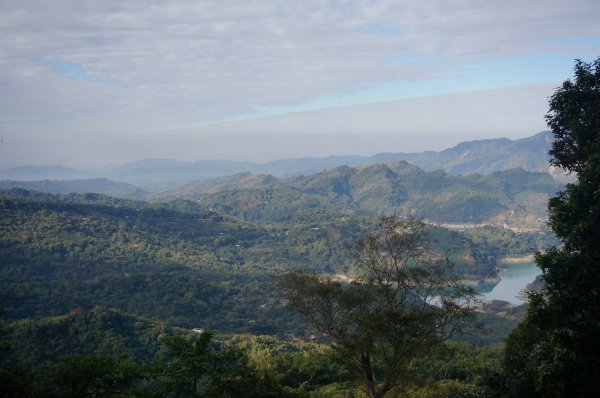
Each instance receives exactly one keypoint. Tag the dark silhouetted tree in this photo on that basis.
(554, 352)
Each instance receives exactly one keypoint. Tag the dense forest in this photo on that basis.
(89, 274)
(93, 275)
(514, 197)
(186, 266)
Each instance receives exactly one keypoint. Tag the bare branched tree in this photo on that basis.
(402, 303)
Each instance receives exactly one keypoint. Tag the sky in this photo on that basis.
(90, 83)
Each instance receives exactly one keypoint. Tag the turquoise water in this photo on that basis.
(514, 278)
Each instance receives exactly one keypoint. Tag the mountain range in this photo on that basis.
(513, 197)
(99, 185)
(480, 156)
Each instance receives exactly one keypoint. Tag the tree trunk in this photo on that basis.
(365, 363)
(370, 387)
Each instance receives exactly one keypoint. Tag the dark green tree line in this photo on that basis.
(555, 351)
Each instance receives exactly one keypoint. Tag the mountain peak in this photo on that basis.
(478, 156)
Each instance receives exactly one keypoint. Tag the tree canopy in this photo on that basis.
(401, 302)
(555, 351)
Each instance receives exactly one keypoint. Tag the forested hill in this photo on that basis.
(515, 197)
(184, 264)
(109, 278)
(98, 331)
(488, 156)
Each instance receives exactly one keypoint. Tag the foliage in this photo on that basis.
(456, 370)
(177, 262)
(99, 331)
(180, 264)
(189, 366)
(89, 376)
(514, 196)
(503, 242)
(99, 277)
(554, 352)
(400, 304)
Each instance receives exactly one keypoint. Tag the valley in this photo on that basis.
(310, 199)
(98, 267)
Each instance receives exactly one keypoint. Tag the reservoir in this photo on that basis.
(515, 277)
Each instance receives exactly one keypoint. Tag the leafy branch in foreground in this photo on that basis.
(554, 351)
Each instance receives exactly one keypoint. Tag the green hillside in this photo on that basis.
(514, 197)
(98, 331)
(106, 278)
(183, 264)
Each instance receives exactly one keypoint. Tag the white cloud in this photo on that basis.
(166, 63)
(429, 123)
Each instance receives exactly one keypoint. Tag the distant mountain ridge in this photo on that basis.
(480, 156)
(487, 156)
(96, 185)
(514, 197)
(30, 172)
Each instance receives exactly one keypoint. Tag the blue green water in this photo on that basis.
(514, 278)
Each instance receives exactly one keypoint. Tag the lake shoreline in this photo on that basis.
(516, 259)
(490, 280)
(515, 278)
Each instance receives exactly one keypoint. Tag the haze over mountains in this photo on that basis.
(100, 185)
(481, 156)
(512, 197)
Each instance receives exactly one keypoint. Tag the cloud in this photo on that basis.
(184, 62)
(71, 70)
(394, 126)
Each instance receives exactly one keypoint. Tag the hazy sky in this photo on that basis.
(99, 82)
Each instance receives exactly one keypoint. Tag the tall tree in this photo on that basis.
(197, 368)
(555, 350)
(402, 302)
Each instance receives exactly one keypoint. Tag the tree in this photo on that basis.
(187, 363)
(402, 302)
(198, 368)
(89, 376)
(555, 350)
